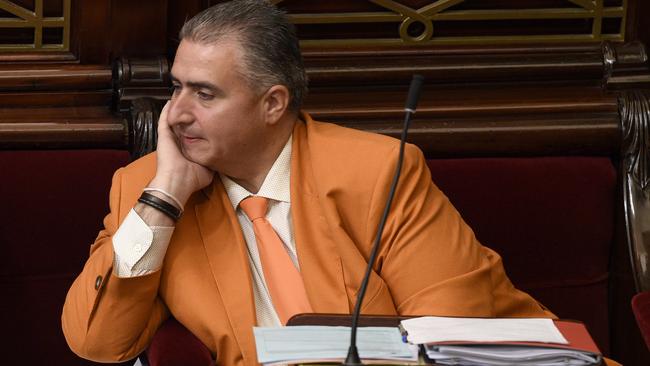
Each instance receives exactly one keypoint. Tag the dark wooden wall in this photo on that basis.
(358, 84)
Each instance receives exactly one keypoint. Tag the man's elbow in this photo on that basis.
(94, 347)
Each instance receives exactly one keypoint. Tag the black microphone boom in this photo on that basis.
(412, 99)
(352, 358)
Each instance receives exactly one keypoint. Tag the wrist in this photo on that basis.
(160, 204)
(161, 193)
(170, 187)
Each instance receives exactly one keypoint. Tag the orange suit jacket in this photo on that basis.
(429, 261)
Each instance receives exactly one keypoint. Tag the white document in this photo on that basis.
(509, 356)
(297, 344)
(432, 329)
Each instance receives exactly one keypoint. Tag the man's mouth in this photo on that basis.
(189, 139)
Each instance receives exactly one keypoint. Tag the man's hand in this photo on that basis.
(175, 173)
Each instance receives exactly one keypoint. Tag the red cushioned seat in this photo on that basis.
(174, 345)
(641, 309)
(52, 205)
(552, 221)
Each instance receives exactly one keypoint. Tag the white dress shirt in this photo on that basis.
(140, 249)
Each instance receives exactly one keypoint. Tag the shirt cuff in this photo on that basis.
(139, 249)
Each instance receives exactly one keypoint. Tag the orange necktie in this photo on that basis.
(282, 278)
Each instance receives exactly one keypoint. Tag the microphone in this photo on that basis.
(352, 358)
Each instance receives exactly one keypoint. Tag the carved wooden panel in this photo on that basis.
(635, 119)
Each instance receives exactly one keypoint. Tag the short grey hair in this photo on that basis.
(267, 38)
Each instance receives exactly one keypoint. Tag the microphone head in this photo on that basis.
(414, 93)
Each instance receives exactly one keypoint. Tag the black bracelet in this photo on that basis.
(161, 205)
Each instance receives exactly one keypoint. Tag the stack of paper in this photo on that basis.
(503, 342)
(508, 355)
(303, 344)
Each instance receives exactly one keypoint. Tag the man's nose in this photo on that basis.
(180, 110)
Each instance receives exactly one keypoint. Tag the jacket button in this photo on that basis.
(98, 282)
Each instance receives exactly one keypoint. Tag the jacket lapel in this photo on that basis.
(320, 263)
(228, 258)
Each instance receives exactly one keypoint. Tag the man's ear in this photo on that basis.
(275, 103)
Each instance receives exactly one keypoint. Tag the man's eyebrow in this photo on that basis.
(198, 85)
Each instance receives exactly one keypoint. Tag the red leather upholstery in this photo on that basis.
(551, 219)
(174, 345)
(641, 309)
(51, 208)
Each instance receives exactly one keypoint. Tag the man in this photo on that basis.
(233, 129)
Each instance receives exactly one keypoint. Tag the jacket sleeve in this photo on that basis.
(431, 260)
(106, 318)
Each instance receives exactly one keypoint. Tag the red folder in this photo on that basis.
(577, 335)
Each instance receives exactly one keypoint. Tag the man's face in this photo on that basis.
(217, 118)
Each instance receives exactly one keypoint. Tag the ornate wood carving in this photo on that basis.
(635, 121)
(141, 87)
(140, 78)
(626, 65)
(143, 124)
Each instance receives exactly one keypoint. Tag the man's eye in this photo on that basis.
(204, 96)
(174, 88)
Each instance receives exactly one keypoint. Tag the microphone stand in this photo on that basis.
(352, 358)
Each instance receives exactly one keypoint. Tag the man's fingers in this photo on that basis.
(162, 120)
(164, 130)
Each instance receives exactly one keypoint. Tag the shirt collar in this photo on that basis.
(275, 186)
